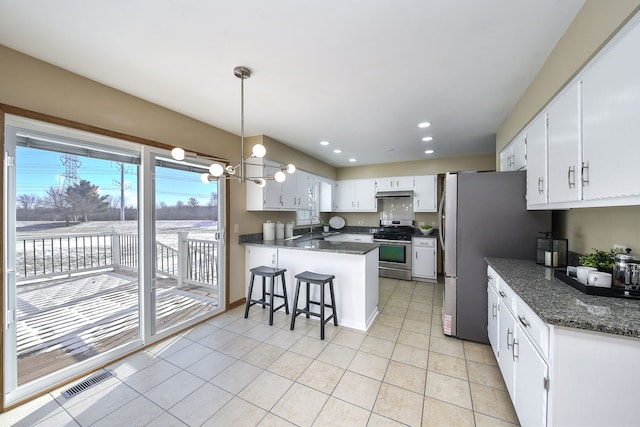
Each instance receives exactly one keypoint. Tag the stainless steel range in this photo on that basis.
(394, 237)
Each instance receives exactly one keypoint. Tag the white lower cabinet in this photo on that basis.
(524, 369)
(423, 265)
(560, 376)
(256, 256)
(531, 381)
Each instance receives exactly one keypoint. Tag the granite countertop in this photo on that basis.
(305, 243)
(557, 303)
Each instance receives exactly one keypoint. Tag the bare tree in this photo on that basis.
(28, 202)
(193, 202)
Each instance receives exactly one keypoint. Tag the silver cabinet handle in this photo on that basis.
(585, 174)
(516, 355)
(509, 332)
(571, 171)
(502, 294)
(494, 310)
(524, 321)
(540, 185)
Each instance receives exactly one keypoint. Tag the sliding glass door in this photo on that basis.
(108, 246)
(187, 244)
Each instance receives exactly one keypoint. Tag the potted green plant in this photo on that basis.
(325, 227)
(602, 260)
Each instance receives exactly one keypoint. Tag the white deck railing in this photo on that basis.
(37, 257)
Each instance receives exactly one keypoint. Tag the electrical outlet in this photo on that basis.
(360, 222)
(433, 224)
(420, 223)
(236, 228)
(619, 248)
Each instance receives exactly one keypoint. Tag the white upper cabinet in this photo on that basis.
(514, 156)
(536, 137)
(563, 133)
(327, 195)
(424, 198)
(592, 150)
(393, 183)
(611, 120)
(356, 195)
(290, 195)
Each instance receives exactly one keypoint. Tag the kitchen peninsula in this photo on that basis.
(355, 266)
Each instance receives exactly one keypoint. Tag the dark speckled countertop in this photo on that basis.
(561, 305)
(351, 248)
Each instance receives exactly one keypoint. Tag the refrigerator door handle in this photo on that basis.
(441, 218)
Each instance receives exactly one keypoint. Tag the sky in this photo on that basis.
(39, 170)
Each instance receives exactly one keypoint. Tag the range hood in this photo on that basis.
(394, 194)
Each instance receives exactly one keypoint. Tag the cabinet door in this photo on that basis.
(563, 134)
(530, 388)
(537, 161)
(424, 258)
(385, 183)
(519, 153)
(345, 196)
(365, 195)
(505, 158)
(403, 183)
(256, 256)
(424, 199)
(273, 196)
(506, 362)
(611, 125)
(492, 321)
(290, 192)
(327, 196)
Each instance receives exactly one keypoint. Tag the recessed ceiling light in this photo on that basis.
(352, 160)
(427, 138)
(428, 152)
(324, 142)
(424, 125)
(337, 151)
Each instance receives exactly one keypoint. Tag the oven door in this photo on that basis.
(395, 254)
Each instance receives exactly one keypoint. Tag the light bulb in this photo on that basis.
(205, 178)
(258, 150)
(216, 169)
(260, 182)
(280, 176)
(291, 168)
(178, 153)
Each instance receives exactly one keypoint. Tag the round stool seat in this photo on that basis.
(311, 277)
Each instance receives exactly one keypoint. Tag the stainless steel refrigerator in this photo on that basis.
(481, 214)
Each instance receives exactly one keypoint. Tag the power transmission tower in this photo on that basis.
(71, 164)
(123, 169)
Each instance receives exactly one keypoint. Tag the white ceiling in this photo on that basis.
(358, 73)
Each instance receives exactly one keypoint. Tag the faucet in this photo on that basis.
(311, 222)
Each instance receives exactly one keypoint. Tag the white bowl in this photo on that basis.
(426, 232)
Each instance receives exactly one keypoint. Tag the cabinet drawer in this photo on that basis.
(493, 279)
(507, 295)
(534, 327)
(424, 242)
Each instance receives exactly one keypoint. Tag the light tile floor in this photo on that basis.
(232, 371)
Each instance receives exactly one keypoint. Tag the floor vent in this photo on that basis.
(88, 383)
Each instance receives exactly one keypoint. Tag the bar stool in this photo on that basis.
(317, 279)
(270, 272)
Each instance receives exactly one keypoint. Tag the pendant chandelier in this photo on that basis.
(239, 171)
